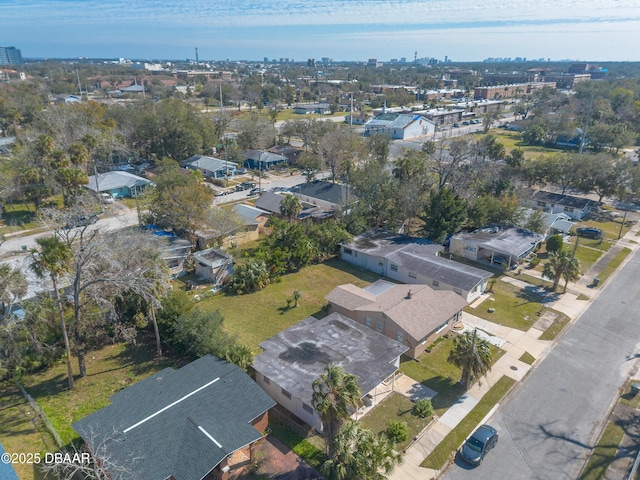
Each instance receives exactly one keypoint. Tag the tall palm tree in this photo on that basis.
(360, 454)
(472, 354)
(334, 393)
(53, 257)
(561, 264)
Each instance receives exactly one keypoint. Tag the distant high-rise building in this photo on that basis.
(403, 59)
(327, 60)
(10, 56)
(311, 62)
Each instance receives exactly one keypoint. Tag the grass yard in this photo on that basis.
(109, 370)
(305, 449)
(17, 217)
(256, 316)
(21, 431)
(527, 358)
(603, 454)
(613, 264)
(631, 397)
(445, 449)
(395, 407)
(433, 371)
(511, 140)
(587, 256)
(514, 307)
(556, 327)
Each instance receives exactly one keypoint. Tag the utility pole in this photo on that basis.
(586, 124)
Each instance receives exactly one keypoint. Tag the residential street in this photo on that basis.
(549, 424)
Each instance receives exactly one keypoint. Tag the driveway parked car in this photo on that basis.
(82, 221)
(589, 232)
(478, 444)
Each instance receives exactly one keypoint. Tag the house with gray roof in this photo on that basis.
(575, 207)
(554, 223)
(326, 195)
(414, 315)
(262, 160)
(202, 420)
(210, 167)
(294, 358)
(399, 126)
(415, 261)
(495, 245)
(118, 184)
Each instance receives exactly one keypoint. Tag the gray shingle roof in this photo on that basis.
(210, 164)
(559, 199)
(269, 202)
(295, 357)
(163, 426)
(115, 180)
(327, 191)
(511, 241)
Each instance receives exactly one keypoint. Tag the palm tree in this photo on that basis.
(290, 206)
(53, 257)
(297, 295)
(360, 454)
(472, 355)
(561, 264)
(334, 393)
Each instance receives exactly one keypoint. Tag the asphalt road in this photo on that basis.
(548, 426)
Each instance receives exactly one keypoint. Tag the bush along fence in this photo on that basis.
(42, 415)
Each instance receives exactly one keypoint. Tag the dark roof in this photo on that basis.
(263, 156)
(270, 202)
(559, 199)
(295, 357)
(510, 241)
(329, 192)
(179, 423)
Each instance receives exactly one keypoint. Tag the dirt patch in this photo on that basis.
(277, 462)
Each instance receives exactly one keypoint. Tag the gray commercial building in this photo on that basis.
(10, 56)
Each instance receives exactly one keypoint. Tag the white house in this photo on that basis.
(575, 207)
(294, 358)
(399, 126)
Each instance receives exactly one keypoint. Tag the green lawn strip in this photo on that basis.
(302, 447)
(109, 370)
(513, 306)
(257, 316)
(631, 397)
(586, 257)
(582, 296)
(443, 451)
(613, 264)
(395, 407)
(556, 327)
(527, 358)
(531, 279)
(603, 453)
(21, 431)
(432, 370)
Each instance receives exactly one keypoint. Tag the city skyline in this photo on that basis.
(340, 29)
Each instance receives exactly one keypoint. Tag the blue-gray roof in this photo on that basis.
(210, 164)
(329, 192)
(116, 180)
(180, 423)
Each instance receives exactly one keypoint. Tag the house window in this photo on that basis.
(436, 283)
(399, 336)
(379, 327)
(266, 379)
(307, 408)
(442, 327)
(285, 393)
(394, 268)
(412, 275)
(348, 251)
(380, 264)
(541, 204)
(568, 209)
(367, 321)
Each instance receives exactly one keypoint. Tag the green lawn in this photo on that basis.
(630, 397)
(587, 256)
(20, 430)
(254, 317)
(432, 370)
(514, 307)
(305, 449)
(445, 450)
(603, 454)
(613, 264)
(527, 358)
(17, 217)
(556, 327)
(109, 370)
(395, 407)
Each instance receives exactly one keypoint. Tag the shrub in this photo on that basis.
(423, 408)
(397, 431)
(555, 243)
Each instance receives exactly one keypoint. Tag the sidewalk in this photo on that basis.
(515, 343)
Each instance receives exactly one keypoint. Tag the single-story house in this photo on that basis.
(262, 160)
(201, 421)
(357, 118)
(294, 358)
(210, 167)
(292, 153)
(321, 108)
(399, 126)
(326, 195)
(175, 250)
(554, 223)
(213, 264)
(118, 184)
(496, 245)
(576, 207)
(253, 222)
(270, 202)
(413, 314)
(414, 260)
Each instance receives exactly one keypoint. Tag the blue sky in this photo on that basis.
(339, 29)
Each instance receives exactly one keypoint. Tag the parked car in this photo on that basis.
(456, 125)
(478, 444)
(500, 261)
(256, 191)
(106, 198)
(589, 232)
(241, 171)
(466, 122)
(82, 221)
